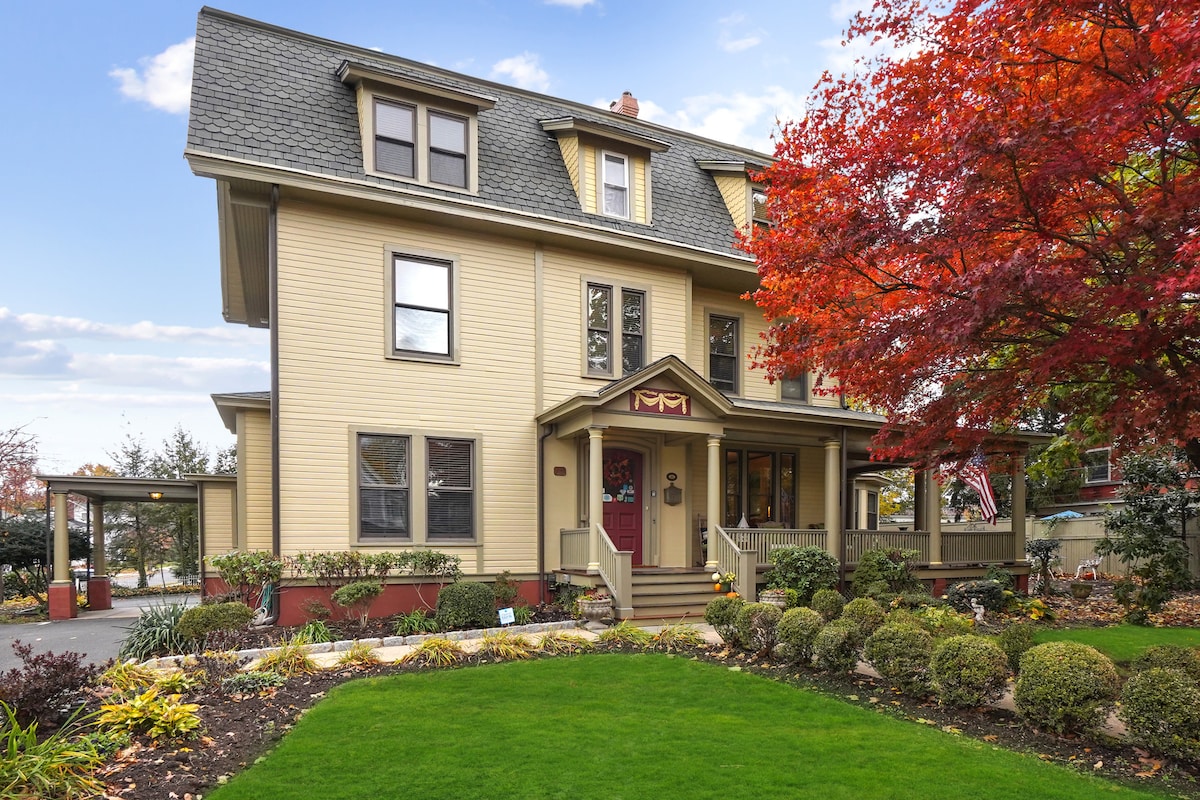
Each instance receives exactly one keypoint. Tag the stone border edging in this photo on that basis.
(341, 646)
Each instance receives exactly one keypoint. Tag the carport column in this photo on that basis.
(712, 506)
(99, 590)
(62, 588)
(595, 495)
(1018, 505)
(833, 498)
(933, 515)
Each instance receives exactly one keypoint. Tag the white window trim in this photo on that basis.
(615, 355)
(422, 105)
(601, 184)
(418, 491)
(390, 253)
(1087, 468)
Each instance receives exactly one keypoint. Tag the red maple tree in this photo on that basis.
(1001, 213)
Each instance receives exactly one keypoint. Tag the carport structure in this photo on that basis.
(99, 491)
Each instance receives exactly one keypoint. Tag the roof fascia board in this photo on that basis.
(578, 125)
(225, 167)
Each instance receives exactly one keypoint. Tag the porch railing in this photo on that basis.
(573, 548)
(979, 547)
(858, 542)
(616, 568)
(763, 540)
(734, 556)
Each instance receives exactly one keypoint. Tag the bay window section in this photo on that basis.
(383, 487)
(421, 306)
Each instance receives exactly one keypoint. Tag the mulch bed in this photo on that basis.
(239, 729)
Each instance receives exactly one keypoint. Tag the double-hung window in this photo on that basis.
(447, 149)
(1097, 465)
(421, 306)
(723, 352)
(450, 503)
(794, 388)
(383, 487)
(395, 138)
(616, 185)
(607, 336)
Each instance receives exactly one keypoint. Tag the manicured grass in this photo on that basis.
(625, 727)
(1122, 643)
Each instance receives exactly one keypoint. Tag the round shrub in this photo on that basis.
(798, 627)
(722, 613)
(1161, 708)
(968, 671)
(1065, 687)
(757, 625)
(1014, 641)
(805, 569)
(835, 647)
(989, 594)
(199, 621)
(900, 654)
(864, 613)
(828, 603)
(1170, 656)
(358, 596)
(465, 604)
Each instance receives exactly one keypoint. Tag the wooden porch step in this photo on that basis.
(671, 595)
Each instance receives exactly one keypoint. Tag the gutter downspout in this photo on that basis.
(273, 279)
(541, 512)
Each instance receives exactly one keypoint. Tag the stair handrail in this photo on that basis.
(742, 562)
(616, 569)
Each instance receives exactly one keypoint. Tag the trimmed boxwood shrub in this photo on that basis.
(989, 594)
(466, 604)
(722, 613)
(880, 570)
(835, 647)
(828, 603)
(197, 622)
(900, 654)
(864, 613)
(1170, 656)
(968, 671)
(1065, 687)
(757, 625)
(1014, 641)
(1161, 708)
(798, 627)
(805, 569)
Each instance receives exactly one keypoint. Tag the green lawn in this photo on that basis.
(1122, 643)
(622, 727)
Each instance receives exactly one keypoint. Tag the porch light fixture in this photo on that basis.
(672, 495)
(156, 495)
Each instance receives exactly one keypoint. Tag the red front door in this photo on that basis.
(623, 500)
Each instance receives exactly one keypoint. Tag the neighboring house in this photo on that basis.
(1099, 489)
(508, 327)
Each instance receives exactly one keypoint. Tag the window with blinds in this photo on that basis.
(723, 352)
(394, 139)
(383, 487)
(447, 149)
(450, 503)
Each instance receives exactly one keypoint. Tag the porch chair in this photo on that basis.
(1088, 565)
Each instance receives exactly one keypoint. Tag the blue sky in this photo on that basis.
(110, 308)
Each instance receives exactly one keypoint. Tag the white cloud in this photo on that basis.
(523, 71)
(163, 81)
(741, 118)
(576, 4)
(844, 10)
(731, 42)
(185, 373)
(13, 326)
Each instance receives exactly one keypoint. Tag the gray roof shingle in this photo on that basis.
(272, 96)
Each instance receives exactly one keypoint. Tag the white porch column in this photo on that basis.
(99, 564)
(713, 502)
(1018, 505)
(933, 515)
(595, 495)
(833, 498)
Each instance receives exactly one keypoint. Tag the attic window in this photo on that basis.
(447, 149)
(616, 186)
(394, 150)
(758, 208)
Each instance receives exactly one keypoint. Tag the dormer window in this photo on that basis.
(395, 126)
(447, 149)
(616, 186)
(758, 208)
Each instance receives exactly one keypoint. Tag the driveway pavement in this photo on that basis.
(96, 634)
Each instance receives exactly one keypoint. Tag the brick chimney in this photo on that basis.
(627, 105)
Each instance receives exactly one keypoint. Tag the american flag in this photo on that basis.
(974, 474)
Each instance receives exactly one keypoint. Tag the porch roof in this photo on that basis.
(124, 490)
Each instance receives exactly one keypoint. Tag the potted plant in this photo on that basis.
(723, 582)
(774, 597)
(595, 605)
